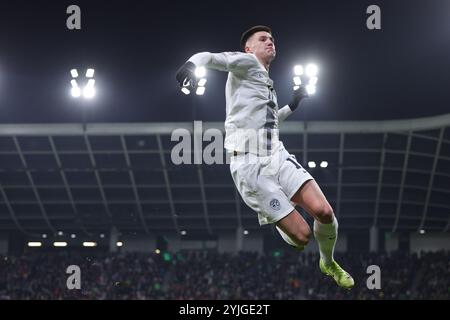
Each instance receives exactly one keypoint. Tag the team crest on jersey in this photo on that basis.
(275, 204)
(259, 75)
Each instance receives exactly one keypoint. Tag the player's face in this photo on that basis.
(262, 45)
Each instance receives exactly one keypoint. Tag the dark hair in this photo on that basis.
(247, 34)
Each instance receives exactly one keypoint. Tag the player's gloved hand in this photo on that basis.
(186, 76)
(297, 97)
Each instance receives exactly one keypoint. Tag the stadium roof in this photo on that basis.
(392, 174)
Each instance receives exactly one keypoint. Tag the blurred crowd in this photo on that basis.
(210, 275)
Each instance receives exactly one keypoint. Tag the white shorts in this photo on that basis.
(267, 184)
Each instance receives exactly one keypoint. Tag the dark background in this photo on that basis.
(400, 71)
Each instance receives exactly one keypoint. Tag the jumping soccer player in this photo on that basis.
(269, 179)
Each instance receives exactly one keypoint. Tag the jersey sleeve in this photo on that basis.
(235, 62)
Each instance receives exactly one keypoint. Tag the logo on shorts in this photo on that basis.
(275, 204)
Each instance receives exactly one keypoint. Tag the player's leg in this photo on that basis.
(311, 198)
(294, 230)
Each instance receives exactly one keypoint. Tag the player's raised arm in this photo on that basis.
(288, 109)
(236, 62)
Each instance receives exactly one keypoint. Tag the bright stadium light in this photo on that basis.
(183, 232)
(119, 243)
(88, 92)
(422, 231)
(185, 90)
(44, 236)
(35, 244)
(90, 73)
(199, 83)
(73, 236)
(245, 232)
(311, 89)
(313, 81)
(202, 82)
(311, 164)
(75, 92)
(89, 244)
(157, 251)
(200, 72)
(201, 87)
(200, 91)
(74, 73)
(74, 83)
(60, 244)
(298, 70)
(310, 78)
(311, 70)
(102, 235)
(324, 164)
(91, 83)
(60, 233)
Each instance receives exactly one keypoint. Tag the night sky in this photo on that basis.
(401, 71)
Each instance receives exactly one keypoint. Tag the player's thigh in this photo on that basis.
(311, 198)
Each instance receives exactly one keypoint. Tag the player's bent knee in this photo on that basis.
(325, 214)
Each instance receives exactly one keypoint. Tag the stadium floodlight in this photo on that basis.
(324, 164)
(297, 80)
(422, 231)
(202, 82)
(313, 81)
(200, 72)
(91, 83)
(311, 164)
(157, 251)
(60, 233)
(201, 87)
(311, 89)
(35, 244)
(185, 90)
(73, 235)
(245, 232)
(298, 70)
(199, 84)
(200, 91)
(60, 244)
(74, 73)
(183, 232)
(44, 236)
(89, 244)
(311, 70)
(88, 92)
(119, 243)
(75, 92)
(90, 73)
(102, 235)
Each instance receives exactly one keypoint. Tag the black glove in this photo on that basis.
(297, 97)
(186, 76)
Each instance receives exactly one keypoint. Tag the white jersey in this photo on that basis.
(252, 113)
